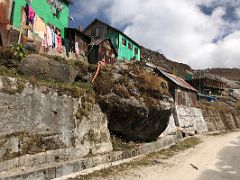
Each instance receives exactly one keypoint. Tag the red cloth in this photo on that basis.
(59, 43)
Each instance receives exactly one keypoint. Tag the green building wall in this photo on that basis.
(43, 10)
(123, 51)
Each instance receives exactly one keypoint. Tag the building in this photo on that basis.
(126, 48)
(32, 20)
(182, 92)
(207, 84)
(73, 36)
(100, 49)
(53, 12)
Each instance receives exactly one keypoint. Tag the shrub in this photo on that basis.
(18, 51)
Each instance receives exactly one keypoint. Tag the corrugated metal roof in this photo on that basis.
(177, 80)
(98, 41)
(115, 29)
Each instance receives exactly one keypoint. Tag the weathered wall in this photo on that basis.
(39, 126)
(218, 121)
(190, 119)
(187, 120)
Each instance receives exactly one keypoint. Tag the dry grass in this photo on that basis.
(150, 159)
(150, 82)
(104, 83)
(122, 91)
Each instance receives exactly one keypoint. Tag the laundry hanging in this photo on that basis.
(30, 14)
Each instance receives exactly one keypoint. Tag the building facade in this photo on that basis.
(102, 49)
(126, 48)
(53, 12)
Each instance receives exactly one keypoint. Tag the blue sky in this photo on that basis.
(201, 33)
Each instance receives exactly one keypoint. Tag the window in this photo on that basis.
(130, 46)
(135, 51)
(99, 31)
(124, 42)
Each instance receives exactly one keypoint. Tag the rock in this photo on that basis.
(39, 123)
(121, 67)
(45, 68)
(132, 119)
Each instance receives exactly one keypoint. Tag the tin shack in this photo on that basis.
(102, 49)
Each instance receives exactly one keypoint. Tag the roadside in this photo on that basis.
(217, 157)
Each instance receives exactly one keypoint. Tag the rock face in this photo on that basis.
(136, 101)
(38, 126)
(133, 119)
(44, 68)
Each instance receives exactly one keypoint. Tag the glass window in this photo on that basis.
(124, 42)
(130, 46)
(135, 51)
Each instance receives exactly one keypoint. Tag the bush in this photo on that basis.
(18, 51)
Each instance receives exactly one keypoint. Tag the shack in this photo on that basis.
(182, 92)
(76, 42)
(126, 47)
(102, 48)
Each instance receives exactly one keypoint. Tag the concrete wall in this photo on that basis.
(187, 120)
(39, 126)
(218, 121)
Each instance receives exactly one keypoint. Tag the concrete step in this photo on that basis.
(60, 169)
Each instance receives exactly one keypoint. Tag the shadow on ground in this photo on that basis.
(228, 166)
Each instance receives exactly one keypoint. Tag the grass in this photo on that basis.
(148, 160)
(75, 89)
(121, 145)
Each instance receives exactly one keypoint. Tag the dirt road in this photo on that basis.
(216, 158)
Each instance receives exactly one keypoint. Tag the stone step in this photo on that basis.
(59, 169)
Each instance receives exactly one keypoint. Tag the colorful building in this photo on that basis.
(53, 12)
(126, 48)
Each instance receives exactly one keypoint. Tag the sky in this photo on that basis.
(200, 33)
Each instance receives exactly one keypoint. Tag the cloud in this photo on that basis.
(180, 29)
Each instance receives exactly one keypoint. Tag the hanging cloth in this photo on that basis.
(49, 37)
(30, 14)
(53, 38)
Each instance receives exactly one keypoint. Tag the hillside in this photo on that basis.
(159, 59)
(180, 68)
(232, 74)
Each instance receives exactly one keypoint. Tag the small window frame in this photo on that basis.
(135, 51)
(124, 42)
(130, 46)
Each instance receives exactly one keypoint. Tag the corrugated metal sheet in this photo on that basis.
(177, 80)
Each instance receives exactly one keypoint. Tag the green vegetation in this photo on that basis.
(75, 89)
(148, 160)
(18, 51)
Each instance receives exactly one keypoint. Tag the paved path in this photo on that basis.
(217, 158)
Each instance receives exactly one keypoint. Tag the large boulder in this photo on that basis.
(45, 68)
(136, 100)
(134, 120)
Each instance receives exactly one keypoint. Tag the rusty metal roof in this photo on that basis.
(175, 79)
